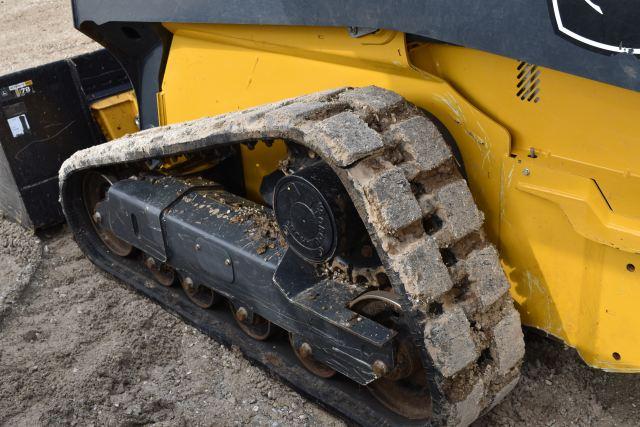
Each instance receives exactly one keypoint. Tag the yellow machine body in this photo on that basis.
(116, 115)
(550, 158)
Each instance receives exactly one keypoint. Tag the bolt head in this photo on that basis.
(526, 172)
(379, 368)
(188, 282)
(242, 314)
(227, 262)
(97, 218)
(305, 350)
(198, 247)
(150, 262)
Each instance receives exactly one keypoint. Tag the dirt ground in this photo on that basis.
(78, 347)
(34, 32)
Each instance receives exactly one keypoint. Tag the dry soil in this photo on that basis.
(78, 347)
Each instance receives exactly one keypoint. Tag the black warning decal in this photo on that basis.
(611, 26)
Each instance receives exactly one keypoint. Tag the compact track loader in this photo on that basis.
(369, 186)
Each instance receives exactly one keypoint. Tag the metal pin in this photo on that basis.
(188, 282)
(150, 263)
(97, 218)
(379, 368)
(305, 350)
(242, 314)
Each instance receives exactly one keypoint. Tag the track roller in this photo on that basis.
(200, 295)
(252, 324)
(304, 353)
(164, 274)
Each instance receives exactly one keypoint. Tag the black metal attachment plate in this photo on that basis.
(44, 119)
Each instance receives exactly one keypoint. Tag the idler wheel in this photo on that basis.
(94, 190)
(404, 390)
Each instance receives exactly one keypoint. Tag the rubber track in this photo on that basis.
(418, 209)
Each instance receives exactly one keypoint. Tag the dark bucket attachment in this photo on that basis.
(44, 119)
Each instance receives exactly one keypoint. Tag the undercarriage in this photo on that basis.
(365, 253)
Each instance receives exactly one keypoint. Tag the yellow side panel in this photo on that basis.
(566, 220)
(116, 115)
(570, 216)
(258, 162)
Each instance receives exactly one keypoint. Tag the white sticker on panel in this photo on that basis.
(19, 125)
